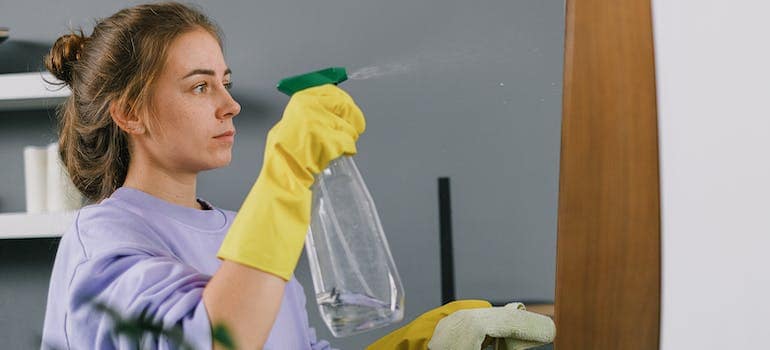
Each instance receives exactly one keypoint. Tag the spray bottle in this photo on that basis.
(355, 279)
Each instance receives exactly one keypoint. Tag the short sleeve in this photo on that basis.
(134, 281)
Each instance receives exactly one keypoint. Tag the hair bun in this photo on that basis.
(64, 53)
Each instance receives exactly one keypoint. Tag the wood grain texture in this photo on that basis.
(608, 245)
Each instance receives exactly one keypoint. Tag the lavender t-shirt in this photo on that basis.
(136, 252)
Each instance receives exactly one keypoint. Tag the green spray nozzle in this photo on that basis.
(333, 75)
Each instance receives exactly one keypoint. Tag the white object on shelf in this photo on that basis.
(61, 193)
(25, 225)
(30, 90)
(35, 178)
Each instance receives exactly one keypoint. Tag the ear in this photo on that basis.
(129, 122)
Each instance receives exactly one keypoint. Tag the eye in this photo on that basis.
(228, 85)
(200, 88)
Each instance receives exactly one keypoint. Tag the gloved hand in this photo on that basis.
(416, 334)
(318, 125)
(467, 329)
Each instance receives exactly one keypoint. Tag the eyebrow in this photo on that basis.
(205, 72)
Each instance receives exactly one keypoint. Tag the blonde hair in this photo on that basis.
(119, 61)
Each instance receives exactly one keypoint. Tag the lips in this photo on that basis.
(227, 137)
(226, 133)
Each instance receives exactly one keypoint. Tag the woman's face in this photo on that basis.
(192, 107)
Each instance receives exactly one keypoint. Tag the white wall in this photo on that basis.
(713, 76)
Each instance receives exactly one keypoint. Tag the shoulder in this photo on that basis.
(109, 225)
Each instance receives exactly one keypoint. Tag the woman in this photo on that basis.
(150, 109)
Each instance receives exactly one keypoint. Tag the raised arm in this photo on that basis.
(264, 242)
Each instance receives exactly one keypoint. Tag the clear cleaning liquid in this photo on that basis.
(351, 313)
(355, 279)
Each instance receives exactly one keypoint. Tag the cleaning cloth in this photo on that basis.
(516, 327)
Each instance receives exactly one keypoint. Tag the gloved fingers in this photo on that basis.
(343, 126)
(352, 114)
(344, 144)
(329, 131)
(337, 143)
(320, 123)
(314, 115)
(335, 100)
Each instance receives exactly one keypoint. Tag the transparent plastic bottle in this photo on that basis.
(355, 279)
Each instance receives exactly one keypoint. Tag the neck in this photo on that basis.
(174, 186)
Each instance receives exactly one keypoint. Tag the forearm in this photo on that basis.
(246, 301)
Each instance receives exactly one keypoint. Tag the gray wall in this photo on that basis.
(469, 90)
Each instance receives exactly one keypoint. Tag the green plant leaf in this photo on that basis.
(222, 336)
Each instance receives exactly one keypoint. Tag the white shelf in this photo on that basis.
(20, 91)
(24, 225)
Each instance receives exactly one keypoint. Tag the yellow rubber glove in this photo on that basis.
(416, 334)
(318, 125)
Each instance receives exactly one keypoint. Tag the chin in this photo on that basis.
(221, 159)
(221, 163)
(215, 164)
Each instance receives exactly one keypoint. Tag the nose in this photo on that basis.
(229, 107)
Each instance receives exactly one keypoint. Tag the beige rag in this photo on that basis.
(510, 326)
